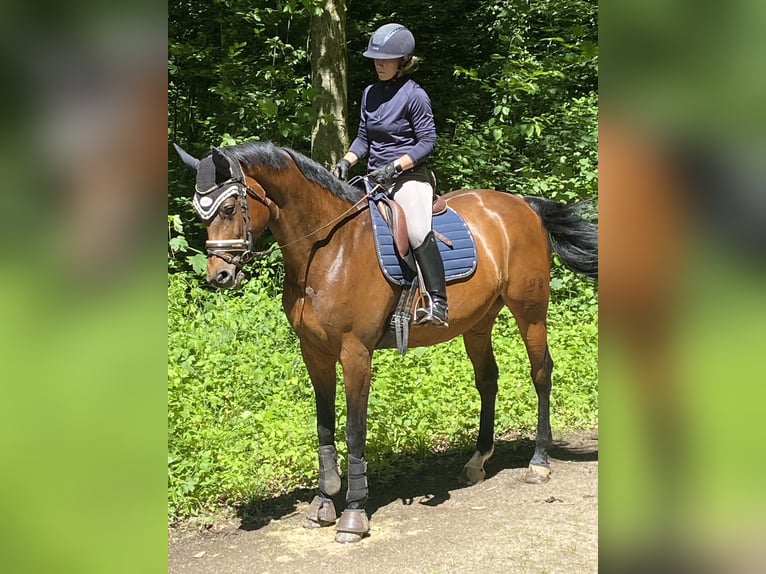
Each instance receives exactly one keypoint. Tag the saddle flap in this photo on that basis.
(393, 214)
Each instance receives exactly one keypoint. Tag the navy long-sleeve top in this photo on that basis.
(396, 118)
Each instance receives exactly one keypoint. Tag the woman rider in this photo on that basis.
(397, 131)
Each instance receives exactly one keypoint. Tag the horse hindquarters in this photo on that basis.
(575, 240)
(478, 345)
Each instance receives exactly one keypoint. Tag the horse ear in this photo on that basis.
(221, 162)
(192, 162)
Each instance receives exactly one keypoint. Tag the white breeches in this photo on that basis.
(416, 198)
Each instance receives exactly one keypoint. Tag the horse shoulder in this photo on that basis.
(342, 279)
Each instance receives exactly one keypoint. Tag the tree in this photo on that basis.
(328, 77)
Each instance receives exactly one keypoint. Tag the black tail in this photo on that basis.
(572, 237)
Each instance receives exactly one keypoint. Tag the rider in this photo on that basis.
(397, 130)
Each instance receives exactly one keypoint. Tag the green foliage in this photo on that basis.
(239, 402)
(239, 70)
(178, 246)
(523, 116)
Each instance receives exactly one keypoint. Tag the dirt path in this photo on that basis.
(427, 523)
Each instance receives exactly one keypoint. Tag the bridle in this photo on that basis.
(242, 248)
(237, 252)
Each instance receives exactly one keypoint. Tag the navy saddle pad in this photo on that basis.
(459, 260)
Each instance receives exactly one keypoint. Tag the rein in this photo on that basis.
(259, 254)
(364, 199)
(244, 246)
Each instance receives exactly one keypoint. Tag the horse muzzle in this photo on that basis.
(225, 260)
(225, 277)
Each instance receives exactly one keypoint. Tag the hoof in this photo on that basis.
(473, 472)
(537, 474)
(321, 512)
(471, 475)
(312, 524)
(348, 537)
(352, 526)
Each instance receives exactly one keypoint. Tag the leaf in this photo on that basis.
(179, 243)
(268, 107)
(198, 263)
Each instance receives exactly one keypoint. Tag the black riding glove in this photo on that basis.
(341, 170)
(383, 175)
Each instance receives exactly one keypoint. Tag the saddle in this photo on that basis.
(393, 215)
(397, 261)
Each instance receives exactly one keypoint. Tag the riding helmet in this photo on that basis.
(390, 41)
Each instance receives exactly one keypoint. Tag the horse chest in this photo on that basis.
(315, 313)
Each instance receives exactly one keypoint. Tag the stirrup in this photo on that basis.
(425, 314)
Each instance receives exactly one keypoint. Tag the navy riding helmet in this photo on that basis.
(390, 41)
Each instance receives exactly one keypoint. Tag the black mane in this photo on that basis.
(266, 153)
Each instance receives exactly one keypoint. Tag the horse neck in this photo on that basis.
(307, 213)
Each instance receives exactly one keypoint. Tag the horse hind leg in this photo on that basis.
(535, 335)
(478, 345)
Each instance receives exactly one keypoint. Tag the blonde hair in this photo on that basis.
(409, 65)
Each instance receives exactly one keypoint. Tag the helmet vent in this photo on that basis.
(388, 36)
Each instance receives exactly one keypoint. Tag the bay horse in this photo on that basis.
(338, 301)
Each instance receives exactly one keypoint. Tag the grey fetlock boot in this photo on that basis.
(432, 267)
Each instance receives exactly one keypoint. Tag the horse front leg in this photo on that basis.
(356, 360)
(321, 511)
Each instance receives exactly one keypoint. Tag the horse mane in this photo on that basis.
(256, 153)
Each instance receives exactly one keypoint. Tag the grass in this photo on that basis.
(241, 409)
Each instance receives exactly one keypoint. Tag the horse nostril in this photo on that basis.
(223, 277)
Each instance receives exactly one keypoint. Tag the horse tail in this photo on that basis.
(571, 236)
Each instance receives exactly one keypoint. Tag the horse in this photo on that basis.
(338, 302)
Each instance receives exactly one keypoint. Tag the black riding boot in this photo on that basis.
(432, 267)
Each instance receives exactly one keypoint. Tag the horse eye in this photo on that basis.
(228, 211)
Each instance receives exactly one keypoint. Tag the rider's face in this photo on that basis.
(387, 69)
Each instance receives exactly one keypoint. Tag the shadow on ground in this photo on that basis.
(429, 478)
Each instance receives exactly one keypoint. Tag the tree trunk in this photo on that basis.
(328, 76)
